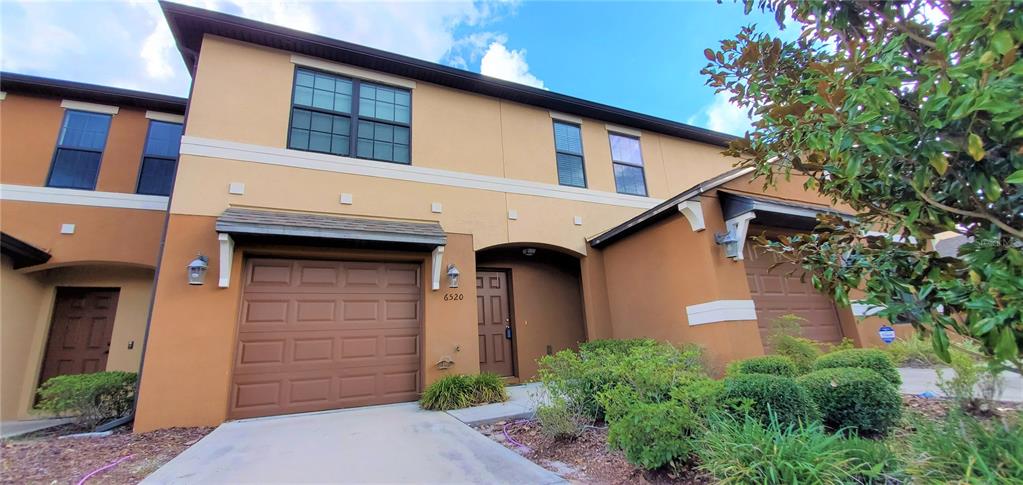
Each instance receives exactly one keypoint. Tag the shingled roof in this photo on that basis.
(280, 223)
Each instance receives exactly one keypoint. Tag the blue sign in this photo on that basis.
(887, 334)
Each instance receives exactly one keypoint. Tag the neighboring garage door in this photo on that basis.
(317, 335)
(776, 293)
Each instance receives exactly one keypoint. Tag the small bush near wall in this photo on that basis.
(654, 435)
(874, 359)
(461, 391)
(913, 352)
(616, 346)
(559, 421)
(857, 399)
(90, 398)
(775, 365)
(802, 351)
(763, 396)
(963, 449)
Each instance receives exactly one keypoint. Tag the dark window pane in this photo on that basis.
(157, 176)
(629, 179)
(365, 148)
(626, 149)
(342, 125)
(383, 102)
(401, 135)
(339, 145)
(323, 99)
(401, 153)
(570, 170)
(304, 78)
(299, 139)
(164, 139)
(321, 122)
(84, 130)
(304, 96)
(567, 138)
(343, 103)
(319, 142)
(75, 169)
(324, 82)
(301, 119)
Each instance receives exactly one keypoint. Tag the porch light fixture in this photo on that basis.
(197, 269)
(452, 276)
(529, 251)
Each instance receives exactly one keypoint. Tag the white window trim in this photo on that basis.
(91, 107)
(352, 71)
(568, 118)
(165, 117)
(3, 95)
(621, 130)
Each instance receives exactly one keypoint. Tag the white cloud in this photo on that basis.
(509, 65)
(723, 116)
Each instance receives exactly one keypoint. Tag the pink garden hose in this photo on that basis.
(104, 467)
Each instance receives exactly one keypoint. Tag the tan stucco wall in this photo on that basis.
(30, 125)
(193, 329)
(102, 234)
(27, 303)
(547, 300)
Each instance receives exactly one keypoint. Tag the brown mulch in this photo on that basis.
(586, 459)
(938, 408)
(43, 457)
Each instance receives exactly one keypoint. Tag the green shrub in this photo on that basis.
(971, 385)
(963, 449)
(616, 346)
(558, 420)
(654, 435)
(90, 398)
(875, 461)
(846, 344)
(761, 395)
(701, 394)
(488, 387)
(913, 352)
(874, 359)
(746, 450)
(802, 351)
(651, 371)
(859, 399)
(458, 391)
(775, 365)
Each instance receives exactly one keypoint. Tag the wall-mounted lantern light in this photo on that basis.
(452, 276)
(197, 269)
(529, 251)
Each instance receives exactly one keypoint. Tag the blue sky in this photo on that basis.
(643, 56)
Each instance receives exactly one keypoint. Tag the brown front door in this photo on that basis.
(316, 335)
(494, 319)
(79, 341)
(779, 291)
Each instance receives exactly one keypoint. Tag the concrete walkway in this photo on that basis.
(919, 381)
(10, 429)
(521, 404)
(398, 443)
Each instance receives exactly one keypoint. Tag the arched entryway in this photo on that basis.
(528, 304)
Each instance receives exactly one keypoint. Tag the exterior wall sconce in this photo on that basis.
(452, 276)
(197, 269)
(529, 251)
(734, 239)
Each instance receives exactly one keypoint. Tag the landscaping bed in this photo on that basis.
(45, 457)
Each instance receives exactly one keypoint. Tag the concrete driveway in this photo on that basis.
(919, 381)
(382, 444)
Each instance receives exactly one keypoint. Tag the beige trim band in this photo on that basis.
(91, 107)
(51, 195)
(721, 311)
(564, 117)
(165, 117)
(3, 95)
(621, 130)
(351, 71)
(227, 150)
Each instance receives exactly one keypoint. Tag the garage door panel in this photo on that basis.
(317, 335)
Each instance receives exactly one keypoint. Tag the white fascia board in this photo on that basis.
(721, 311)
(228, 150)
(352, 71)
(51, 195)
(91, 107)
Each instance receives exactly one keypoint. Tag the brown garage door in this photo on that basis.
(776, 293)
(317, 335)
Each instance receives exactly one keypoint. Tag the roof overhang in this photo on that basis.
(22, 254)
(773, 212)
(269, 225)
(190, 24)
(42, 86)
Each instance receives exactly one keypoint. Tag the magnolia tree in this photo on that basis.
(909, 113)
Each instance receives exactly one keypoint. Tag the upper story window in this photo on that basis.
(568, 147)
(83, 136)
(323, 119)
(159, 158)
(627, 161)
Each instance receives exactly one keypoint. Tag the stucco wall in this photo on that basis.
(27, 305)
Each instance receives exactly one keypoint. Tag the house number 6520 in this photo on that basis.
(453, 296)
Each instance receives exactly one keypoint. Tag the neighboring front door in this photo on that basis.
(79, 342)
(494, 318)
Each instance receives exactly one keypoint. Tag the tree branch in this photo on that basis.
(979, 215)
(924, 41)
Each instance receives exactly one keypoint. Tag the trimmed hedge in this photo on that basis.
(873, 359)
(760, 395)
(616, 346)
(90, 398)
(854, 398)
(775, 365)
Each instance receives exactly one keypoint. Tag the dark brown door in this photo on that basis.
(494, 319)
(79, 341)
(316, 335)
(778, 292)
